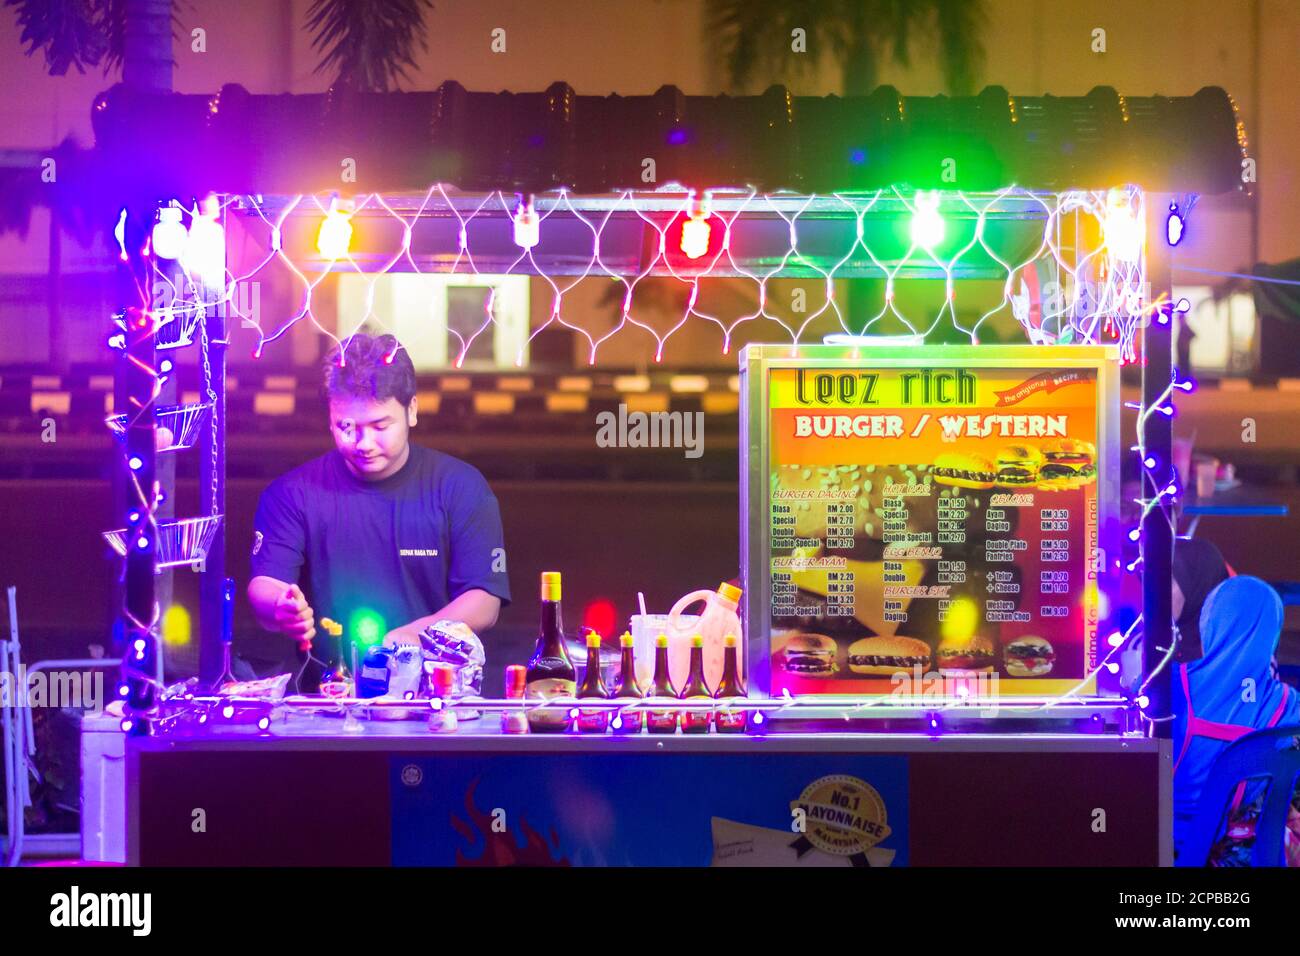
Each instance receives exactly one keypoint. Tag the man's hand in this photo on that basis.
(293, 615)
(402, 635)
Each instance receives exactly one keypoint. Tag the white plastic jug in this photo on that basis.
(719, 619)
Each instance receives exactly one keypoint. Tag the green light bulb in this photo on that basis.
(366, 627)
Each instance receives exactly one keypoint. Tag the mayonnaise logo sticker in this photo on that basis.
(843, 816)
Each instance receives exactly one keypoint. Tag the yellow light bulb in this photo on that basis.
(335, 236)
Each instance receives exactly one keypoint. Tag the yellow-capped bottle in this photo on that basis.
(695, 688)
(550, 671)
(627, 690)
(662, 721)
(593, 721)
(728, 720)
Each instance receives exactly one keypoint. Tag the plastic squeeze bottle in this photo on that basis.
(719, 619)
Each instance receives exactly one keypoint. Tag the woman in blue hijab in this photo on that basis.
(1230, 691)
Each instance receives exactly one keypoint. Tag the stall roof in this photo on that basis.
(239, 142)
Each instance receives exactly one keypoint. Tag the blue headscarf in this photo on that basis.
(1240, 626)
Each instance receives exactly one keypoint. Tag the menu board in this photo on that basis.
(932, 519)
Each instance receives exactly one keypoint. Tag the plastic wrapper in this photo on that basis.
(272, 688)
(405, 673)
(410, 669)
(452, 642)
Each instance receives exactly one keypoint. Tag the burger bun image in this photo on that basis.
(811, 655)
(888, 655)
(1018, 466)
(966, 655)
(1067, 463)
(1028, 656)
(964, 471)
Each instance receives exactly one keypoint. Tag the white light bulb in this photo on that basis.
(169, 234)
(1121, 228)
(528, 229)
(927, 224)
(205, 251)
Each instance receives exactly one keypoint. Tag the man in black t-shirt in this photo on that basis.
(393, 536)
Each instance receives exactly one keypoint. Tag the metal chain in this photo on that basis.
(211, 396)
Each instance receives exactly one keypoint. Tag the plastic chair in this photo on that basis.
(1255, 757)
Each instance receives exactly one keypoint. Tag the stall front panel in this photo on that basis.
(391, 796)
(921, 510)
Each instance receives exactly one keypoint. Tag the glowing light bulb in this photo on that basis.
(335, 236)
(119, 233)
(1175, 225)
(528, 226)
(1112, 667)
(1116, 639)
(264, 723)
(758, 717)
(1144, 701)
(696, 230)
(1121, 228)
(205, 250)
(228, 711)
(169, 235)
(1149, 461)
(927, 224)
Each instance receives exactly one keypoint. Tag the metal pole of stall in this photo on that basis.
(135, 368)
(147, 66)
(1157, 525)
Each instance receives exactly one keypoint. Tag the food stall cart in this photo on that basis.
(932, 533)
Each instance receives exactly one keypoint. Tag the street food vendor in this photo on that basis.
(392, 535)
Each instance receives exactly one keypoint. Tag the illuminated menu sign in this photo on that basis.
(941, 518)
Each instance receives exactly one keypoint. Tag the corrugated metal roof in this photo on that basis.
(236, 141)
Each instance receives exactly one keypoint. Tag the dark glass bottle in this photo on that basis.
(730, 721)
(662, 721)
(593, 721)
(627, 689)
(550, 671)
(695, 688)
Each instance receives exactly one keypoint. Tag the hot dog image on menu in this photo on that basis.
(932, 520)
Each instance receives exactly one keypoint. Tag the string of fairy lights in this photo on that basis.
(1101, 295)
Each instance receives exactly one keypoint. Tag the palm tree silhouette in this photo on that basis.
(859, 36)
(757, 40)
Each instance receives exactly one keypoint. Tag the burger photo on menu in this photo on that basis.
(974, 654)
(1018, 466)
(1029, 656)
(808, 655)
(964, 471)
(1067, 463)
(885, 656)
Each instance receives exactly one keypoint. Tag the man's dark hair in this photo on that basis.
(373, 366)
